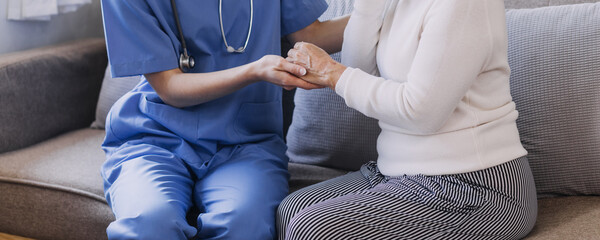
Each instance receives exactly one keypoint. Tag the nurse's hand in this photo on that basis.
(277, 70)
(322, 69)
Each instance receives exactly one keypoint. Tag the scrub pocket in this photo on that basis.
(180, 121)
(259, 118)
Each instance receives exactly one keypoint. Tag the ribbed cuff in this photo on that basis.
(340, 86)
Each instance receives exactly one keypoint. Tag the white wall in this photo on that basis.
(20, 35)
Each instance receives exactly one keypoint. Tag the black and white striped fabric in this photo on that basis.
(494, 203)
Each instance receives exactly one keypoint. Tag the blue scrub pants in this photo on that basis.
(237, 192)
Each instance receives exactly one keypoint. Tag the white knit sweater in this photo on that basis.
(443, 99)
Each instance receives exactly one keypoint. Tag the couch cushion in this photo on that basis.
(112, 89)
(554, 55)
(324, 130)
(43, 89)
(303, 175)
(541, 3)
(56, 187)
(567, 218)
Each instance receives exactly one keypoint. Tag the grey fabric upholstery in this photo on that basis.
(38, 92)
(541, 3)
(53, 190)
(302, 175)
(112, 89)
(567, 218)
(554, 55)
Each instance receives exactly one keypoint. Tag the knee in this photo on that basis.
(292, 204)
(286, 208)
(158, 223)
(309, 224)
(285, 211)
(241, 223)
(292, 208)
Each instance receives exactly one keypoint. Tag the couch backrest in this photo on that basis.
(541, 3)
(48, 91)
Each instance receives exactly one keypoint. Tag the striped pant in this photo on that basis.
(495, 203)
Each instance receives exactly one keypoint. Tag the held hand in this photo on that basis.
(276, 70)
(322, 69)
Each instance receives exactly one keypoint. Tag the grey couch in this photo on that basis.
(50, 187)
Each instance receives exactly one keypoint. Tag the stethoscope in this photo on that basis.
(185, 60)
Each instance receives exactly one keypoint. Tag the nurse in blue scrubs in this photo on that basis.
(210, 135)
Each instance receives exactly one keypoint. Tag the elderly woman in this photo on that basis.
(451, 166)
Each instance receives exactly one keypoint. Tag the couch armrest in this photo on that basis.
(48, 91)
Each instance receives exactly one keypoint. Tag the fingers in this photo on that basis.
(299, 58)
(304, 45)
(308, 48)
(298, 45)
(304, 85)
(289, 81)
(292, 68)
(286, 74)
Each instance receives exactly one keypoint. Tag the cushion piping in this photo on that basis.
(52, 186)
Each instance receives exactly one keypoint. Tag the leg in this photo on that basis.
(149, 190)
(238, 197)
(490, 204)
(369, 214)
(342, 185)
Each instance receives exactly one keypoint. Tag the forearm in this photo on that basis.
(328, 35)
(187, 89)
(180, 89)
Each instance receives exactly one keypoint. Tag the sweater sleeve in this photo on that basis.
(362, 35)
(453, 49)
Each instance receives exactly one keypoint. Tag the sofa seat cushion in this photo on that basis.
(303, 175)
(55, 186)
(567, 218)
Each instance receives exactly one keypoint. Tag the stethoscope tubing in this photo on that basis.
(187, 61)
(229, 48)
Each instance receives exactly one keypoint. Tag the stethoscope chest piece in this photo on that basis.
(186, 62)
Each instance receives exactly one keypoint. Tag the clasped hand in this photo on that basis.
(321, 69)
(307, 66)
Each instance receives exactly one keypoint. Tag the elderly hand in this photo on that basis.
(276, 70)
(321, 68)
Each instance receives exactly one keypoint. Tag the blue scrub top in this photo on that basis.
(142, 38)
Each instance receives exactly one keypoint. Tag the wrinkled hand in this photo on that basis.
(276, 70)
(322, 69)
